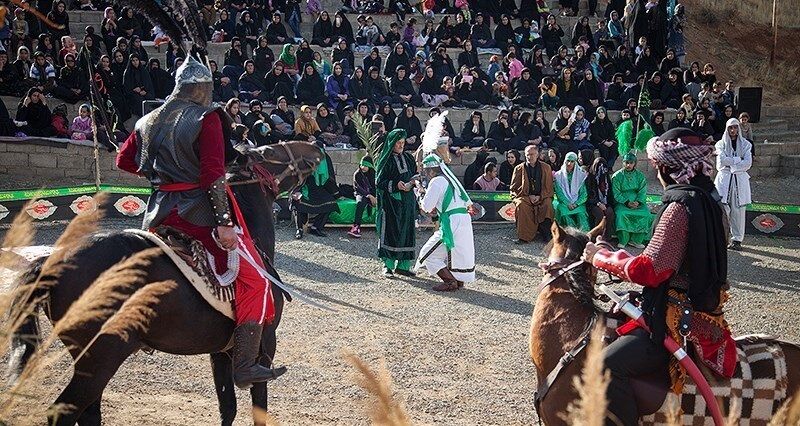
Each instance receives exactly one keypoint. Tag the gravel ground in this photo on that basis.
(456, 358)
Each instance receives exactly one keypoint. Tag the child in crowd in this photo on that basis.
(500, 89)
(364, 186)
(746, 126)
(81, 128)
(688, 104)
(488, 181)
(549, 94)
(494, 67)
(641, 46)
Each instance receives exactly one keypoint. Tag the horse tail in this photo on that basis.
(25, 335)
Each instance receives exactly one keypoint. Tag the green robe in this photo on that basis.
(628, 187)
(577, 218)
(319, 197)
(397, 209)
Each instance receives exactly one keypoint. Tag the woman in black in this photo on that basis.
(444, 32)
(582, 29)
(552, 34)
(468, 56)
(473, 133)
(359, 86)
(409, 122)
(561, 139)
(387, 114)
(9, 83)
(135, 46)
(526, 90)
(35, 114)
(343, 54)
(461, 29)
(567, 89)
(251, 85)
(163, 82)
(398, 56)
(108, 28)
(544, 125)
(342, 28)
(624, 65)
(679, 120)
(646, 63)
(373, 60)
(279, 84)
(657, 123)
(59, 17)
(378, 87)
(506, 168)
(109, 89)
(504, 34)
(127, 24)
(137, 84)
(234, 61)
(263, 57)
(600, 197)
(322, 33)
(223, 91)
(89, 52)
(247, 30)
(476, 92)
(526, 133)
(603, 137)
(536, 63)
(45, 45)
(590, 91)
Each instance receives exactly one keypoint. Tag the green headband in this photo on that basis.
(571, 156)
(364, 162)
(629, 158)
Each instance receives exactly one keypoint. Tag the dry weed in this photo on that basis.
(20, 234)
(383, 409)
(756, 11)
(262, 417)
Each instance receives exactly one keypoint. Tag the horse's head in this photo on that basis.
(290, 163)
(565, 248)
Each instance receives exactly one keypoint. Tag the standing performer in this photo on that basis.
(395, 172)
(734, 159)
(683, 268)
(180, 148)
(532, 192)
(633, 219)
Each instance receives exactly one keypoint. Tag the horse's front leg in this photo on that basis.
(222, 368)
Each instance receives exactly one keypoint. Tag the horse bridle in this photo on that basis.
(557, 270)
(293, 168)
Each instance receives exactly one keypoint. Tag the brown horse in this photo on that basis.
(565, 309)
(184, 323)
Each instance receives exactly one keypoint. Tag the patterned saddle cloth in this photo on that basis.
(754, 393)
(195, 263)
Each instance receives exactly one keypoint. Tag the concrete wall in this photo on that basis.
(59, 163)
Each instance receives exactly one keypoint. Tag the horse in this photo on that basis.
(564, 313)
(184, 324)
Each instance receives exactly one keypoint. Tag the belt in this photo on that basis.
(444, 221)
(177, 187)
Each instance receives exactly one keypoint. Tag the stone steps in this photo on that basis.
(790, 165)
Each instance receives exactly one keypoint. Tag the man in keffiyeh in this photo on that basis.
(450, 252)
(571, 195)
(683, 267)
(633, 218)
(734, 159)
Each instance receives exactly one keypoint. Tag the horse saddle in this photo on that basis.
(195, 264)
(758, 387)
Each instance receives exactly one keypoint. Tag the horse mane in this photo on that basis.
(578, 279)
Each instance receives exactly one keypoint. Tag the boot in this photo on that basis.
(246, 371)
(449, 282)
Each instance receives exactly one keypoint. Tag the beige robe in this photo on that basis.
(528, 214)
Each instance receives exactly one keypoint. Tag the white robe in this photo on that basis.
(732, 180)
(434, 255)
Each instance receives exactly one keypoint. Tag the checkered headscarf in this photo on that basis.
(682, 150)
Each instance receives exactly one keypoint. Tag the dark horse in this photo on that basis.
(564, 308)
(184, 324)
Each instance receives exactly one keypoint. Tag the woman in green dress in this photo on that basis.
(570, 190)
(634, 220)
(397, 208)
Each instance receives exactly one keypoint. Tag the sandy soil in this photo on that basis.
(456, 358)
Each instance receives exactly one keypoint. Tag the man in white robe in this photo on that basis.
(734, 159)
(450, 252)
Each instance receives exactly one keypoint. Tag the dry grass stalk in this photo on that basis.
(674, 413)
(20, 234)
(137, 312)
(590, 408)
(384, 409)
(789, 412)
(757, 11)
(262, 417)
(733, 413)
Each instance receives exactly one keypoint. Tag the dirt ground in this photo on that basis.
(456, 358)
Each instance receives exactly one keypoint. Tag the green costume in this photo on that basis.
(396, 209)
(570, 189)
(633, 224)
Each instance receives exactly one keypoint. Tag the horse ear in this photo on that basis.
(598, 230)
(557, 231)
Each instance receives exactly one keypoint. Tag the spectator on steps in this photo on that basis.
(34, 115)
(137, 84)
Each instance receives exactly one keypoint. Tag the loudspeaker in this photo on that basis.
(148, 106)
(750, 102)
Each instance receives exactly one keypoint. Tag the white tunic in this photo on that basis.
(732, 180)
(434, 255)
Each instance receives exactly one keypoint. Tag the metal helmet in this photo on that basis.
(193, 82)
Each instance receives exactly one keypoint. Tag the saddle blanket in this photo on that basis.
(220, 297)
(755, 392)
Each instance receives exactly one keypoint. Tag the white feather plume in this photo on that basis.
(432, 133)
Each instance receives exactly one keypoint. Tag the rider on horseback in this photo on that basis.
(180, 148)
(683, 271)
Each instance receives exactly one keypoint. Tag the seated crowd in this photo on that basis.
(614, 66)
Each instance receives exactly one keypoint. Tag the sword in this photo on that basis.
(672, 346)
(293, 292)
